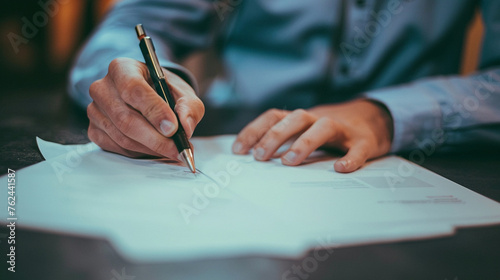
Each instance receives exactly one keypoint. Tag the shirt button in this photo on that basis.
(360, 3)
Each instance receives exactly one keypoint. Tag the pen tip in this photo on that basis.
(188, 158)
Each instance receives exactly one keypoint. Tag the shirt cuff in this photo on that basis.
(416, 115)
(182, 72)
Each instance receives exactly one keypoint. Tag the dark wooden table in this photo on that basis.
(470, 254)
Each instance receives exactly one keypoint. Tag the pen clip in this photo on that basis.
(148, 50)
(154, 59)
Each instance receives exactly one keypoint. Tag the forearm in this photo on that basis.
(178, 27)
(446, 111)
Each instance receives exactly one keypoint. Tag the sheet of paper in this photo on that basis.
(156, 210)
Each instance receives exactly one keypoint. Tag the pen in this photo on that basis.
(160, 82)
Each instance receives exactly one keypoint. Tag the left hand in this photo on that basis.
(361, 128)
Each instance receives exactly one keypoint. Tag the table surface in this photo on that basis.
(470, 254)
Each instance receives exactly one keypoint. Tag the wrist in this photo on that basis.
(382, 116)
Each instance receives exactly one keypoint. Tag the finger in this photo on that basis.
(321, 132)
(189, 107)
(99, 137)
(133, 124)
(130, 122)
(356, 156)
(294, 123)
(101, 121)
(190, 111)
(130, 82)
(253, 132)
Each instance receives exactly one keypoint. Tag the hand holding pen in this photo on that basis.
(128, 117)
(160, 83)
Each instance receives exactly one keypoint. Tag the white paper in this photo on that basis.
(156, 210)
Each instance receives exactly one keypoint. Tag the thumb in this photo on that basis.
(354, 159)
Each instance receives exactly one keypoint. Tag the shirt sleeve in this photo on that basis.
(177, 27)
(450, 112)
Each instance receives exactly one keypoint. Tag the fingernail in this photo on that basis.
(190, 123)
(167, 128)
(343, 163)
(290, 157)
(237, 147)
(259, 153)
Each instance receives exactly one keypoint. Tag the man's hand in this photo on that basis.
(128, 117)
(361, 128)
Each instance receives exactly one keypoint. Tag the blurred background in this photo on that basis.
(34, 101)
(56, 29)
(40, 39)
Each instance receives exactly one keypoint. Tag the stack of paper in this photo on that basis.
(156, 210)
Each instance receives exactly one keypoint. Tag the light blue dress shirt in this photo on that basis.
(297, 54)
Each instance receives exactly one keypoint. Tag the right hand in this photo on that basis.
(128, 117)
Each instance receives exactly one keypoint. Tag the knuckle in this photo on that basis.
(107, 125)
(123, 121)
(270, 113)
(300, 112)
(161, 147)
(329, 123)
(274, 132)
(95, 89)
(154, 111)
(124, 142)
(305, 142)
(281, 125)
(133, 89)
(90, 110)
(93, 135)
(115, 65)
(273, 112)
